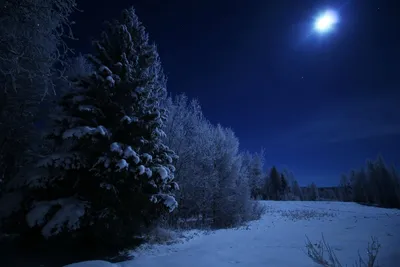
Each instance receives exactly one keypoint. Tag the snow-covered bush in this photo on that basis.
(255, 165)
(257, 210)
(316, 252)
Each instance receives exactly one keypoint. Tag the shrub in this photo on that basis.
(161, 235)
(316, 253)
(257, 211)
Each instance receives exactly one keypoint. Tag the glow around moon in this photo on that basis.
(325, 21)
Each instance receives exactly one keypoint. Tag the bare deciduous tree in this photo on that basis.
(32, 41)
(32, 54)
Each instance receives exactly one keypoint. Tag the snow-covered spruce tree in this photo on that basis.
(110, 174)
(313, 192)
(377, 184)
(289, 177)
(297, 191)
(359, 185)
(273, 184)
(345, 189)
(284, 188)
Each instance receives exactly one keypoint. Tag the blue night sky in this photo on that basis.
(319, 104)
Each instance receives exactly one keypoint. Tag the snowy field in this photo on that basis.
(278, 239)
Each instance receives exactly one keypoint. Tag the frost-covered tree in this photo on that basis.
(396, 183)
(32, 40)
(76, 67)
(313, 192)
(110, 172)
(360, 187)
(244, 185)
(32, 47)
(284, 185)
(256, 165)
(227, 166)
(345, 190)
(326, 193)
(297, 190)
(213, 176)
(189, 134)
(289, 176)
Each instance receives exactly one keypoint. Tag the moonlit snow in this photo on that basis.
(278, 239)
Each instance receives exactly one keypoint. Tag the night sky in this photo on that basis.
(319, 104)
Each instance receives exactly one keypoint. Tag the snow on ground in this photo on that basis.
(278, 239)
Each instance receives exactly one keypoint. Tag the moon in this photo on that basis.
(325, 21)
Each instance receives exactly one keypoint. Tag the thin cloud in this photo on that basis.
(352, 120)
